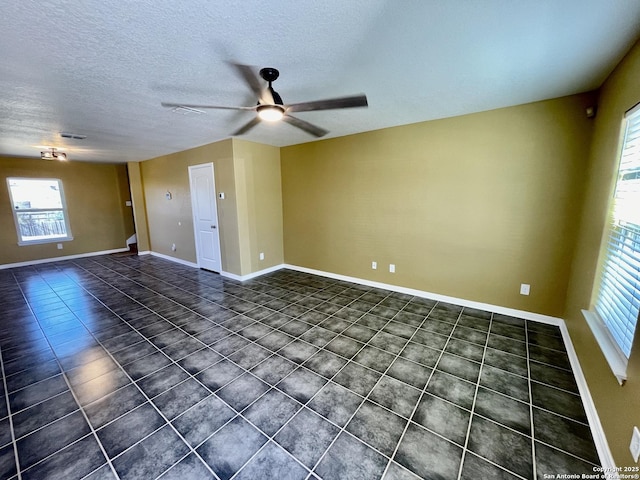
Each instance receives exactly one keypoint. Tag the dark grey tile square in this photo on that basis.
(475, 467)
(377, 427)
(388, 342)
(189, 468)
(503, 410)
(335, 403)
(231, 447)
(510, 331)
(505, 382)
(501, 446)
(551, 461)
(429, 339)
(507, 362)
(558, 401)
(132, 427)
(409, 318)
(336, 325)
(33, 375)
(178, 399)
(374, 358)
(459, 367)
(199, 360)
(409, 372)
(271, 411)
(372, 321)
(325, 363)
(302, 384)
(48, 440)
(146, 365)
(395, 395)
(556, 377)
(242, 391)
(169, 337)
(272, 462)
(162, 380)
(213, 335)
(152, 456)
(297, 351)
(52, 409)
(465, 349)
(219, 374)
(397, 472)
(8, 462)
(318, 336)
(350, 458)
(134, 352)
(274, 369)
(443, 418)
(99, 387)
(255, 331)
(250, 356)
(230, 344)
(344, 346)
(179, 350)
(307, 436)
(400, 329)
(549, 357)
(443, 458)
(275, 340)
(478, 337)
(202, 420)
(421, 354)
(357, 379)
(565, 434)
(75, 461)
(114, 405)
(452, 388)
(508, 345)
(435, 325)
(36, 393)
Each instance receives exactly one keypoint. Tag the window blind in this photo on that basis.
(618, 300)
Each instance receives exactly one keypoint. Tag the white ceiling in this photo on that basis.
(101, 68)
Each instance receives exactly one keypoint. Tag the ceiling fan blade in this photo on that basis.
(188, 105)
(247, 126)
(250, 78)
(329, 104)
(306, 126)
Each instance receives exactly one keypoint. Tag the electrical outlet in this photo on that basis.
(374, 265)
(173, 247)
(261, 256)
(392, 268)
(525, 288)
(635, 444)
(59, 246)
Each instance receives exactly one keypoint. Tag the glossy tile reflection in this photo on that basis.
(139, 368)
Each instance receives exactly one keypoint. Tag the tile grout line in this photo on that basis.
(533, 438)
(73, 394)
(9, 416)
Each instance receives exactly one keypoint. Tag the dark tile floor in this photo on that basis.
(138, 368)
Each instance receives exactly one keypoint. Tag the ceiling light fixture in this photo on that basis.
(52, 154)
(270, 113)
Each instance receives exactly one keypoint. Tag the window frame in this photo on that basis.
(63, 209)
(614, 353)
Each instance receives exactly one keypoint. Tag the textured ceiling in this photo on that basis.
(102, 68)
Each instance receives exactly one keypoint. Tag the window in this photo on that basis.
(39, 210)
(618, 296)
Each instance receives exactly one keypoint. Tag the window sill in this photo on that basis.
(45, 240)
(617, 361)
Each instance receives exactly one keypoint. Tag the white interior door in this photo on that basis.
(205, 216)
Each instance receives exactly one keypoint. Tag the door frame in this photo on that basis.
(194, 216)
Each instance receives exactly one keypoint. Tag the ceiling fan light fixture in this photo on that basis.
(270, 113)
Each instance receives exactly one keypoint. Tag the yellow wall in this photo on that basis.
(95, 195)
(170, 173)
(258, 177)
(618, 407)
(250, 215)
(469, 207)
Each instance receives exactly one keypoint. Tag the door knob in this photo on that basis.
(213, 226)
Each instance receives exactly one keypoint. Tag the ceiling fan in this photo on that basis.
(271, 108)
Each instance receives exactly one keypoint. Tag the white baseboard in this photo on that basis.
(58, 259)
(259, 273)
(599, 438)
(537, 317)
(171, 259)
